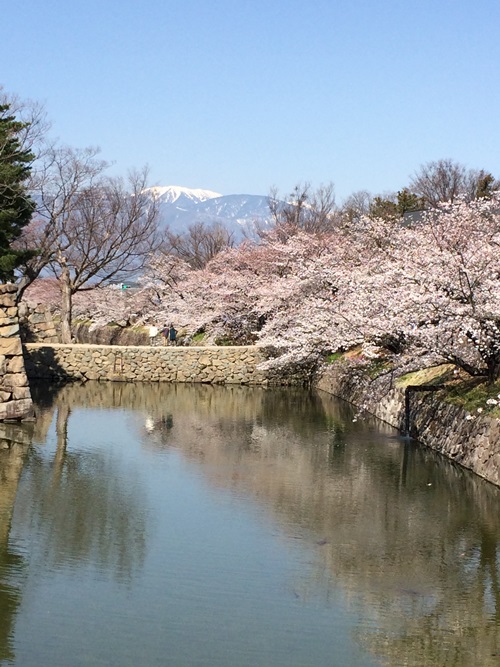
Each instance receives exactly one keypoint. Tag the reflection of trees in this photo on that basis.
(80, 505)
(412, 539)
(15, 439)
(85, 514)
(227, 403)
(424, 558)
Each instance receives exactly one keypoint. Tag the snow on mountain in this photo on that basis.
(176, 194)
(182, 207)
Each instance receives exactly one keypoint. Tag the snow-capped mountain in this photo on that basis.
(178, 195)
(181, 207)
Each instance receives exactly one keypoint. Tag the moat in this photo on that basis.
(184, 525)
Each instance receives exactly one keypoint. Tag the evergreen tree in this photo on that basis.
(16, 206)
(409, 201)
(395, 206)
(487, 185)
(383, 207)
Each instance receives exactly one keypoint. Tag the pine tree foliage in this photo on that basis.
(16, 206)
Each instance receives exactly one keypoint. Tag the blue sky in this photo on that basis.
(238, 96)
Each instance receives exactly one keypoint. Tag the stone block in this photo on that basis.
(8, 288)
(10, 346)
(14, 380)
(43, 327)
(9, 329)
(37, 318)
(20, 409)
(21, 392)
(15, 364)
(7, 301)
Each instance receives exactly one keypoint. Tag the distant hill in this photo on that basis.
(181, 207)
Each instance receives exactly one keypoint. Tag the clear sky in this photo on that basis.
(238, 96)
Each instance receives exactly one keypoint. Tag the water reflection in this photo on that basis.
(411, 539)
(14, 441)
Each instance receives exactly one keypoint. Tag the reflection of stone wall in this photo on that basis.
(232, 402)
(15, 440)
(475, 443)
(15, 397)
(213, 365)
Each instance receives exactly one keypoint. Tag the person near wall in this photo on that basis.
(172, 335)
(153, 332)
(165, 333)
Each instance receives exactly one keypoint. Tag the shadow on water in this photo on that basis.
(412, 539)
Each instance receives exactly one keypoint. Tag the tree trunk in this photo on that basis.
(493, 365)
(65, 282)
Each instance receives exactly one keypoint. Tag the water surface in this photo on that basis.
(192, 525)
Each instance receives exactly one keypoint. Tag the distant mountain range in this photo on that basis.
(181, 207)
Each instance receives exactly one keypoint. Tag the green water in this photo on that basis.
(147, 525)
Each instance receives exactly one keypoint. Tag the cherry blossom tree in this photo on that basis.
(44, 291)
(427, 290)
(431, 286)
(434, 282)
(450, 264)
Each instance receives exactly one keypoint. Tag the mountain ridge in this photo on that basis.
(172, 193)
(180, 207)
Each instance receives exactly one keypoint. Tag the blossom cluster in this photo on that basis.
(429, 286)
(426, 288)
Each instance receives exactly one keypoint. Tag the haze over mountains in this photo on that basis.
(181, 207)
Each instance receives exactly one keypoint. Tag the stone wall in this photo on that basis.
(215, 365)
(473, 443)
(109, 335)
(15, 396)
(37, 324)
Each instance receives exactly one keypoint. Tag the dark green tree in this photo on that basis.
(16, 206)
(409, 202)
(395, 206)
(487, 185)
(383, 207)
